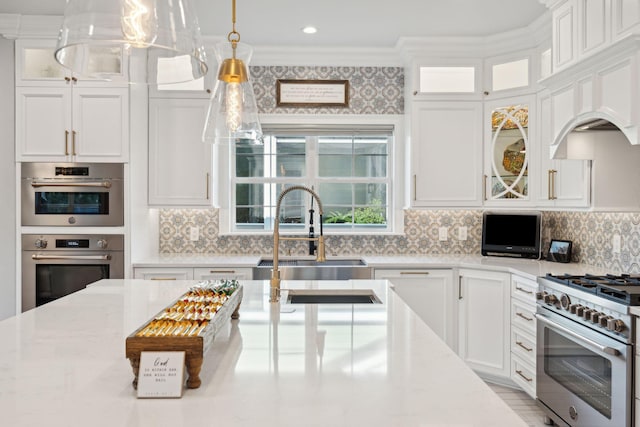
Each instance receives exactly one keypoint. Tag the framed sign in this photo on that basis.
(161, 374)
(312, 93)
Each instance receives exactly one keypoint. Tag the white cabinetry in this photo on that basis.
(563, 182)
(484, 321)
(163, 273)
(193, 273)
(60, 117)
(429, 293)
(179, 162)
(446, 153)
(523, 333)
(214, 273)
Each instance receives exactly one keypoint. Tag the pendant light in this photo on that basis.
(233, 112)
(164, 32)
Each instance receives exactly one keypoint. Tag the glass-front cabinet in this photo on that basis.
(508, 150)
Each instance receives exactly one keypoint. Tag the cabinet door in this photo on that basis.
(484, 315)
(168, 273)
(446, 147)
(563, 182)
(179, 162)
(100, 124)
(43, 124)
(565, 33)
(215, 273)
(429, 294)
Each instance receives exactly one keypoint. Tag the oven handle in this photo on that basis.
(603, 348)
(72, 257)
(104, 184)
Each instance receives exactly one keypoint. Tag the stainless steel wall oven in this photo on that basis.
(72, 194)
(54, 266)
(585, 356)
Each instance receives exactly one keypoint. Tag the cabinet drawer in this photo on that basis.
(523, 316)
(524, 375)
(523, 345)
(163, 273)
(524, 289)
(215, 273)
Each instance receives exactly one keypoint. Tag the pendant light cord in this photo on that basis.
(233, 37)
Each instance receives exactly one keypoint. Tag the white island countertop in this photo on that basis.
(63, 364)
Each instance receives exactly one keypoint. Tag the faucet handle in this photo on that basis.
(320, 257)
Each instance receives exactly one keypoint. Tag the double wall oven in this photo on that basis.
(585, 349)
(64, 198)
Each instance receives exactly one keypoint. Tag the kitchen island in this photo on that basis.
(63, 364)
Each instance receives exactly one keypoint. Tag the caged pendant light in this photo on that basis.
(233, 112)
(164, 32)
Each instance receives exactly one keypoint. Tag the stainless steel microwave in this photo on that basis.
(72, 194)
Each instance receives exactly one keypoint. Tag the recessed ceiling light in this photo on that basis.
(309, 30)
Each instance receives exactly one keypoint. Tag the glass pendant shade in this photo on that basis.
(233, 111)
(167, 32)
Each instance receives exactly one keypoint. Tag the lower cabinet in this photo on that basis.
(523, 333)
(190, 273)
(429, 293)
(484, 322)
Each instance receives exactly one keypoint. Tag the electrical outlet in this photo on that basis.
(615, 242)
(442, 234)
(194, 233)
(462, 233)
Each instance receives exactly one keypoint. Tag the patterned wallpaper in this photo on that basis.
(590, 232)
(372, 90)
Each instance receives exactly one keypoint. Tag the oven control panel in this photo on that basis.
(597, 316)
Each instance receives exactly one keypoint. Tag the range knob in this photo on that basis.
(565, 301)
(604, 320)
(573, 308)
(580, 310)
(595, 316)
(587, 314)
(101, 243)
(41, 243)
(550, 299)
(540, 295)
(616, 325)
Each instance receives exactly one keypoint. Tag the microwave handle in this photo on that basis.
(603, 348)
(72, 257)
(105, 184)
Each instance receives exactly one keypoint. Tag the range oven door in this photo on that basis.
(584, 378)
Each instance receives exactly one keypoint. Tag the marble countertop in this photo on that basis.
(63, 364)
(527, 267)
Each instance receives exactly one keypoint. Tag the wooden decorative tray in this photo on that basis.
(189, 324)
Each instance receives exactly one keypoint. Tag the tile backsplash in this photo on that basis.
(591, 233)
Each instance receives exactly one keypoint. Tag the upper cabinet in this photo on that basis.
(507, 151)
(63, 117)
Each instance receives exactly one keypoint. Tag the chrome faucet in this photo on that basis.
(274, 295)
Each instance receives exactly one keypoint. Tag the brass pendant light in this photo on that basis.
(233, 111)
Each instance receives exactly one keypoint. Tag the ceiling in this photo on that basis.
(353, 23)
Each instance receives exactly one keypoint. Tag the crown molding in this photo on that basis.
(29, 26)
(326, 56)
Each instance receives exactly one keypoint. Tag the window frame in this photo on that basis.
(395, 182)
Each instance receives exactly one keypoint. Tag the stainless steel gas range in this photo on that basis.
(585, 340)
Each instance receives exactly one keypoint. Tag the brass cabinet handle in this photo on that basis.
(523, 346)
(555, 173)
(551, 190)
(162, 278)
(414, 272)
(528, 319)
(67, 79)
(415, 187)
(207, 188)
(484, 187)
(66, 142)
(73, 143)
(74, 79)
(518, 288)
(222, 272)
(523, 376)
(459, 287)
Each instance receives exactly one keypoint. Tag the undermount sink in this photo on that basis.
(331, 296)
(310, 269)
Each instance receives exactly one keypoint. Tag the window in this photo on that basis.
(348, 168)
